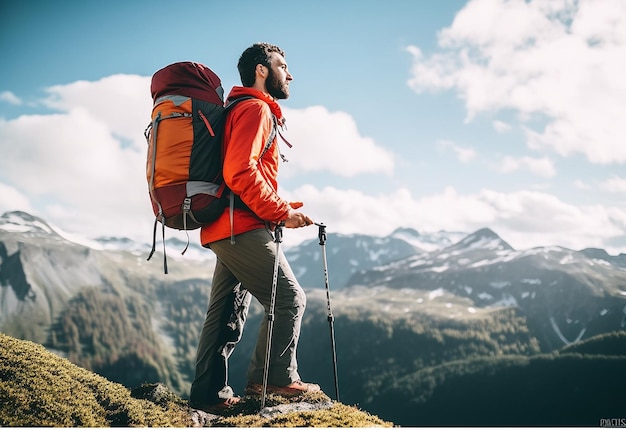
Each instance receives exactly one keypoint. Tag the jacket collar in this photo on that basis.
(238, 91)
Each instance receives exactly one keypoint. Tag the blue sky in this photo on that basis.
(448, 115)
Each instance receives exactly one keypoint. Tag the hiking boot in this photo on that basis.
(292, 390)
(217, 408)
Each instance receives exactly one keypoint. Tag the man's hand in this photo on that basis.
(297, 220)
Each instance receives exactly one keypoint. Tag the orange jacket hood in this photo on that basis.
(237, 92)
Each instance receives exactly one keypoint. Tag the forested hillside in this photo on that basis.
(567, 388)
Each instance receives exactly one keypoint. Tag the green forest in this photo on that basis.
(561, 389)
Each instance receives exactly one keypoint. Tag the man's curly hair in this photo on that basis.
(259, 53)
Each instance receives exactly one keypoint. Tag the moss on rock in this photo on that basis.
(40, 389)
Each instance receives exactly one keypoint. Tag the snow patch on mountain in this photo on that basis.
(484, 239)
(22, 222)
(500, 284)
(439, 292)
(531, 281)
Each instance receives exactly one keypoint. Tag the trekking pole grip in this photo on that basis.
(322, 233)
(278, 232)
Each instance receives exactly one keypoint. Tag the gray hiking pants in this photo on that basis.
(243, 269)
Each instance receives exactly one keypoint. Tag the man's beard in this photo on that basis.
(277, 89)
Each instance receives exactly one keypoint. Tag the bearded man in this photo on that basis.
(242, 239)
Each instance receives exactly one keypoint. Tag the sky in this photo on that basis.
(449, 115)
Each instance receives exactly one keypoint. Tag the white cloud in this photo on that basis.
(13, 200)
(331, 142)
(83, 167)
(614, 185)
(121, 103)
(9, 97)
(581, 185)
(76, 166)
(525, 219)
(537, 166)
(562, 61)
(501, 126)
(463, 154)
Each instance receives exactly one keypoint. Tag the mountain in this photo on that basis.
(27, 225)
(427, 241)
(348, 254)
(406, 308)
(97, 307)
(601, 254)
(566, 295)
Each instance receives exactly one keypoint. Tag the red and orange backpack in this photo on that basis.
(184, 159)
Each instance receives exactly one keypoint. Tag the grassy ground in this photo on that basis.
(38, 388)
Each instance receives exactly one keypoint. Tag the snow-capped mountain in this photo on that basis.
(29, 226)
(26, 225)
(573, 293)
(41, 267)
(427, 241)
(565, 293)
(348, 254)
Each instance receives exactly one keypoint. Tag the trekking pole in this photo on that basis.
(331, 318)
(278, 238)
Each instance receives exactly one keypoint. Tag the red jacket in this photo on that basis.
(248, 126)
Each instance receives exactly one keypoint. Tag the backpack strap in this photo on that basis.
(271, 138)
(151, 133)
(232, 102)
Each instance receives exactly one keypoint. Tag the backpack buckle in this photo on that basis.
(187, 204)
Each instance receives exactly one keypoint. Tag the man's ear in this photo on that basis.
(261, 70)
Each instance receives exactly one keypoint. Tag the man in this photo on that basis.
(243, 243)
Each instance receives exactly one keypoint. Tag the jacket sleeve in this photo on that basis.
(248, 127)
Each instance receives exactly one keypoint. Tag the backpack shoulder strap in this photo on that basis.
(231, 103)
(271, 138)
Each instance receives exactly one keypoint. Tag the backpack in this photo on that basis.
(184, 157)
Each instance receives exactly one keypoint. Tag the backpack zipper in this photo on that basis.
(206, 122)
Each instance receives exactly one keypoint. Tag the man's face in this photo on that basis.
(277, 82)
